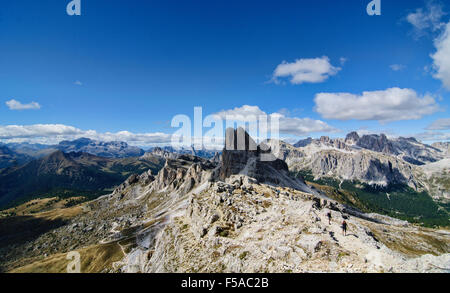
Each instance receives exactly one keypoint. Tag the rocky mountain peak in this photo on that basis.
(442, 146)
(239, 140)
(325, 139)
(77, 142)
(378, 143)
(181, 175)
(161, 153)
(304, 142)
(243, 156)
(352, 137)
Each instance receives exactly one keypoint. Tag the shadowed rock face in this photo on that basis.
(352, 137)
(9, 158)
(377, 143)
(242, 155)
(239, 140)
(304, 142)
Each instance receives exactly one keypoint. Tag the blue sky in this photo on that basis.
(133, 65)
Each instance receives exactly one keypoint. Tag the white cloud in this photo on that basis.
(243, 113)
(37, 130)
(367, 131)
(441, 124)
(16, 105)
(393, 104)
(428, 19)
(140, 139)
(343, 60)
(314, 70)
(303, 126)
(78, 83)
(441, 58)
(433, 136)
(287, 125)
(54, 133)
(397, 67)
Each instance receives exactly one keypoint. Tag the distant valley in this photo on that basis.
(69, 174)
(82, 167)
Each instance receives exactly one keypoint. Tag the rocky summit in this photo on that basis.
(242, 214)
(407, 149)
(242, 155)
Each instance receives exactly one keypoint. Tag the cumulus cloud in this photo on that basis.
(54, 133)
(441, 58)
(302, 126)
(441, 124)
(314, 70)
(243, 113)
(433, 136)
(78, 83)
(141, 139)
(393, 104)
(287, 125)
(390, 133)
(427, 20)
(37, 130)
(16, 105)
(397, 67)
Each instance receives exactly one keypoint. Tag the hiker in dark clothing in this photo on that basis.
(344, 228)
(329, 218)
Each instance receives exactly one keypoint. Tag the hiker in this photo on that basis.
(329, 218)
(344, 228)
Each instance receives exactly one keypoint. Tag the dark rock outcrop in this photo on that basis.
(378, 143)
(304, 142)
(352, 137)
(242, 155)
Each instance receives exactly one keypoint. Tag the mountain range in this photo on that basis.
(399, 177)
(243, 213)
(203, 153)
(13, 154)
(69, 174)
(114, 149)
(8, 157)
(407, 149)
